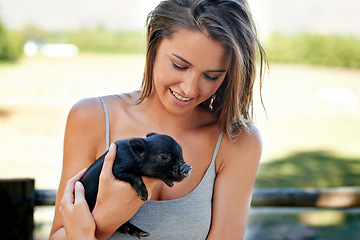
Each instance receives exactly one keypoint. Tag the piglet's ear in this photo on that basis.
(137, 146)
(151, 134)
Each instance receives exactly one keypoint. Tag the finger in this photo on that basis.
(79, 192)
(79, 175)
(70, 186)
(109, 161)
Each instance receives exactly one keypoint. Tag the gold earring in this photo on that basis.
(211, 102)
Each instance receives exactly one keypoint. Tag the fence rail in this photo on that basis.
(342, 197)
(18, 197)
(45, 197)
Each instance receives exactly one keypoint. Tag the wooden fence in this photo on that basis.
(18, 197)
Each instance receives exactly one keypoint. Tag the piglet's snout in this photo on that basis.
(185, 170)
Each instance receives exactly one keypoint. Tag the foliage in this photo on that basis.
(91, 40)
(101, 41)
(304, 48)
(309, 169)
(11, 44)
(36, 34)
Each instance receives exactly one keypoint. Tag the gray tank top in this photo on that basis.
(188, 217)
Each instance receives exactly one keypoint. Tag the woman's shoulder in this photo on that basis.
(85, 110)
(90, 114)
(245, 137)
(94, 107)
(250, 136)
(86, 118)
(245, 148)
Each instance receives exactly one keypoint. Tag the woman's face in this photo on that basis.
(189, 68)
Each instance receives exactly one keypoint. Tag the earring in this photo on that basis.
(211, 102)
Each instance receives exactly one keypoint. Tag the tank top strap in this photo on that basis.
(107, 123)
(217, 147)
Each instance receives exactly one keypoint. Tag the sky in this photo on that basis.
(320, 16)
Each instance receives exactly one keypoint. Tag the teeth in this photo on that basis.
(180, 97)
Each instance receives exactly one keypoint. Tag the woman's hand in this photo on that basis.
(117, 201)
(75, 214)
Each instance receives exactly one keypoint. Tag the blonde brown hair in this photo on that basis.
(230, 23)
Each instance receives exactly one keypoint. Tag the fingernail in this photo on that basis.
(112, 147)
(77, 185)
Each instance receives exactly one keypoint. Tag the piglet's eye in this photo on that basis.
(163, 157)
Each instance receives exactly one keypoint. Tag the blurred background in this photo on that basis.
(54, 53)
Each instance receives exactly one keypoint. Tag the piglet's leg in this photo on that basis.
(136, 182)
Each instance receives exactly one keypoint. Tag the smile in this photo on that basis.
(179, 97)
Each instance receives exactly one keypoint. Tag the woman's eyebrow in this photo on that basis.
(187, 62)
(182, 59)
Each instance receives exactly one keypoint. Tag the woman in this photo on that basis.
(197, 88)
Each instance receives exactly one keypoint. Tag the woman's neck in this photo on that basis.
(164, 120)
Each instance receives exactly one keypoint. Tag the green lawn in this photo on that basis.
(313, 113)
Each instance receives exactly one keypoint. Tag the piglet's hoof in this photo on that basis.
(143, 195)
(130, 229)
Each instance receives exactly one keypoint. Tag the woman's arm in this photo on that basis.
(84, 142)
(233, 186)
(80, 150)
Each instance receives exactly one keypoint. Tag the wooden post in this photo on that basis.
(17, 208)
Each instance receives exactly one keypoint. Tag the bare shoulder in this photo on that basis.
(249, 140)
(246, 148)
(84, 139)
(85, 109)
(86, 126)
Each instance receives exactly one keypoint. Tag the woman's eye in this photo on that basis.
(179, 67)
(211, 78)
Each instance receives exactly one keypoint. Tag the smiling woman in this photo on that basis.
(197, 87)
(239, 50)
(184, 70)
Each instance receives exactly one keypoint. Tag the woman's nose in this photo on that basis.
(190, 85)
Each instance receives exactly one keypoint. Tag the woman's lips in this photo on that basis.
(178, 96)
(180, 100)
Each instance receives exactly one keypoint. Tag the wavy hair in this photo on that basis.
(231, 24)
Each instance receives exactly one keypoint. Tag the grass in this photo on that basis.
(37, 93)
(318, 169)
